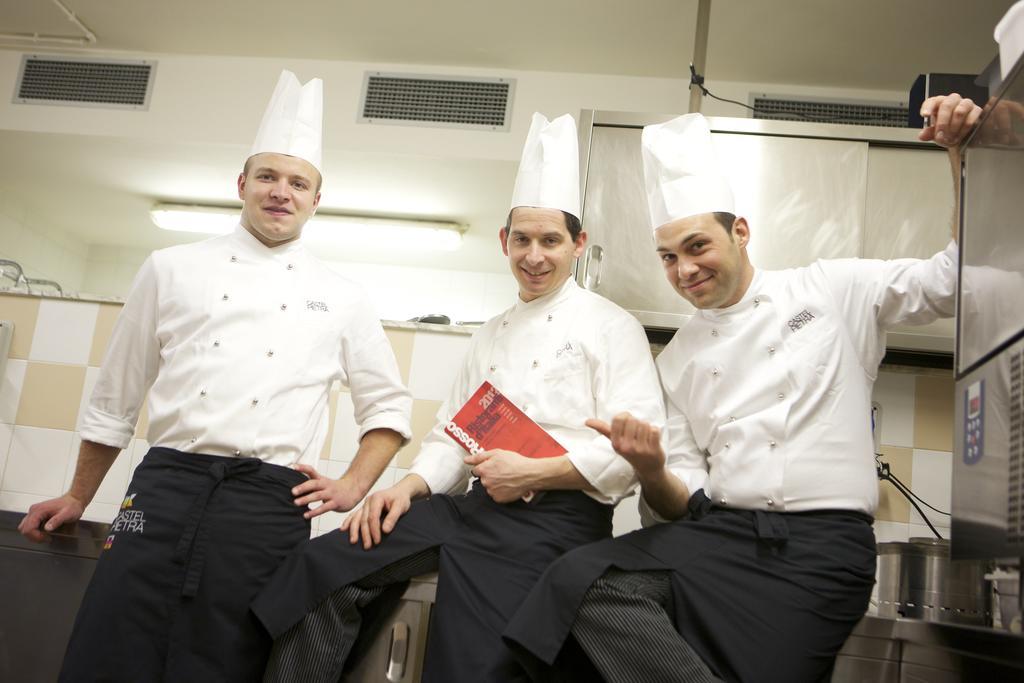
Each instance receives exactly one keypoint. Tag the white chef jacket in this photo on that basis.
(562, 358)
(238, 345)
(769, 400)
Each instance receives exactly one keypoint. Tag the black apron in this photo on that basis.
(490, 556)
(761, 596)
(196, 537)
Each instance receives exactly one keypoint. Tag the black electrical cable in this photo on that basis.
(919, 498)
(698, 80)
(884, 473)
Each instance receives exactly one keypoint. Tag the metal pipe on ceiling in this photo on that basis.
(87, 37)
(700, 50)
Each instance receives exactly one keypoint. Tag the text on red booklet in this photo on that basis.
(489, 420)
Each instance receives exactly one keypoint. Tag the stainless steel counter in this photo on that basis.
(890, 650)
(41, 586)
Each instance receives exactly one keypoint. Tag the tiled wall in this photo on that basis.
(52, 367)
(58, 345)
(917, 442)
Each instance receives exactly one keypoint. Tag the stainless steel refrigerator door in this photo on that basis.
(910, 215)
(804, 199)
(991, 307)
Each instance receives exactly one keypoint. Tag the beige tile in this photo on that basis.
(24, 311)
(51, 395)
(933, 413)
(142, 426)
(424, 417)
(892, 506)
(325, 450)
(105, 319)
(401, 344)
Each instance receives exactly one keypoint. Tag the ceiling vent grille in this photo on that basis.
(451, 102)
(783, 108)
(119, 84)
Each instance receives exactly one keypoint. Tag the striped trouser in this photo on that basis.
(315, 649)
(624, 627)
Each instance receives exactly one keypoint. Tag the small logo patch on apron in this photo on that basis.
(128, 519)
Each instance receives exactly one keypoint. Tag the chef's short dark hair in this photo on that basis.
(572, 224)
(248, 165)
(726, 220)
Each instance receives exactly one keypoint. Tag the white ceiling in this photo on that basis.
(91, 185)
(869, 44)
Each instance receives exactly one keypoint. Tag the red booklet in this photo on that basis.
(489, 420)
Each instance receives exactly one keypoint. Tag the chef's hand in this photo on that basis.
(337, 494)
(505, 475)
(638, 442)
(48, 515)
(951, 119)
(381, 511)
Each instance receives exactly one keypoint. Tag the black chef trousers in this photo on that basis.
(489, 556)
(760, 596)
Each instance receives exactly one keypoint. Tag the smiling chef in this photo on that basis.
(766, 557)
(237, 340)
(560, 353)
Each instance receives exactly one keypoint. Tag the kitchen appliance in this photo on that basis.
(808, 190)
(988, 461)
(916, 579)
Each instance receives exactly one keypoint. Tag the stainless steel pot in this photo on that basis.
(917, 580)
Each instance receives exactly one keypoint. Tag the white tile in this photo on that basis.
(101, 512)
(889, 532)
(10, 389)
(895, 392)
(627, 516)
(932, 481)
(344, 439)
(37, 461)
(91, 375)
(69, 468)
(6, 433)
(19, 502)
(137, 450)
(112, 490)
(64, 331)
(329, 521)
(436, 358)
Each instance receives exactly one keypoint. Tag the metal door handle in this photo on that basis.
(397, 652)
(593, 255)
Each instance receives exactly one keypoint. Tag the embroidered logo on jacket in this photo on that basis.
(800, 319)
(316, 306)
(567, 348)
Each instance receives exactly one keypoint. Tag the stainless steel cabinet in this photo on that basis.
(809, 191)
(909, 214)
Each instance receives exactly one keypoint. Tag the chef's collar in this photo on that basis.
(752, 297)
(547, 300)
(247, 240)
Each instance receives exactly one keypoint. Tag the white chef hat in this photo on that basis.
(293, 121)
(549, 172)
(680, 171)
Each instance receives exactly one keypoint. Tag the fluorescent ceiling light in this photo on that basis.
(355, 231)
